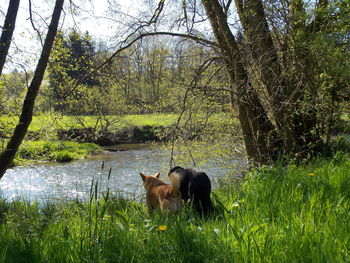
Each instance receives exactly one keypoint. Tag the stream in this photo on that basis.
(116, 170)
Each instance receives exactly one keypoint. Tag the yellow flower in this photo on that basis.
(311, 174)
(162, 228)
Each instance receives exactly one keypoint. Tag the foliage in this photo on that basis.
(313, 46)
(279, 67)
(12, 91)
(341, 144)
(284, 214)
(205, 139)
(150, 78)
(69, 70)
(323, 51)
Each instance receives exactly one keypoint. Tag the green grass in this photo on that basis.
(277, 214)
(150, 119)
(61, 151)
(49, 122)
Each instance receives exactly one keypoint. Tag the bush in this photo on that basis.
(64, 156)
(341, 144)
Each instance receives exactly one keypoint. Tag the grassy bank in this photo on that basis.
(278, 214)
(61, 151)
(41, 141)
(46, 126)
(45, 130)
(48, 123)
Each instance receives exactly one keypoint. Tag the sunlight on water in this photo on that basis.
(73, 180)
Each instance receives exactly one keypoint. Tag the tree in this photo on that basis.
(7, 156)
(12, 90)
(278, 87)
(7, 31)
(255, 124)
(71, 61)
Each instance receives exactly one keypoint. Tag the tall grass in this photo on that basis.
(276, 214)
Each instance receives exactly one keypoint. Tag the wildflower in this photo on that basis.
(216, 231)
(162, 228)
(311, 174)
(120, 226)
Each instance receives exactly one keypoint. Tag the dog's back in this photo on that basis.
(195, 185)
(160, 195)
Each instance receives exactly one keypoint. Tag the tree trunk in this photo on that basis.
(7, 31)
(295, 126)
(267, 67)
(256, 126)
(8, 154)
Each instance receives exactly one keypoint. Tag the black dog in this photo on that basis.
(196, 186)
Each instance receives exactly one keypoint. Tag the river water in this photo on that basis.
(117, 171)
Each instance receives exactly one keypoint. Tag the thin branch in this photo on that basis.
(227, 7)
(192, 85)
(31, 21)
(156, 13)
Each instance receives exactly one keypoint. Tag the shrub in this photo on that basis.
(64, 156)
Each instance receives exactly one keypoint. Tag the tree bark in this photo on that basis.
(267, 67)
(255, 124)
(25, 119)
(7, 31)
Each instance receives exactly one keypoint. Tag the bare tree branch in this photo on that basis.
(226, 8)
(136, 39)
(33, 25)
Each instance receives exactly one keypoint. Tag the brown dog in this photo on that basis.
(159, 195)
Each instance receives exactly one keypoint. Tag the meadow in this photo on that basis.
(285, 213)
(49, 123)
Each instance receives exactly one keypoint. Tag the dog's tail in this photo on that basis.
(175, 182)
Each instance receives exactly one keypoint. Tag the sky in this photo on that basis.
(92, 15)
(110, 21)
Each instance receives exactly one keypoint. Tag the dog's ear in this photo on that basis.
(143, 176)
(157, 174)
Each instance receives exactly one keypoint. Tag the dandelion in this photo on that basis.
(162, 228)
(311, 174)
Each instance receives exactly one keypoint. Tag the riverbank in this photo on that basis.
(60, 151)
(294, 213)
(112, 130)
(88, 128)
(66, 138)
